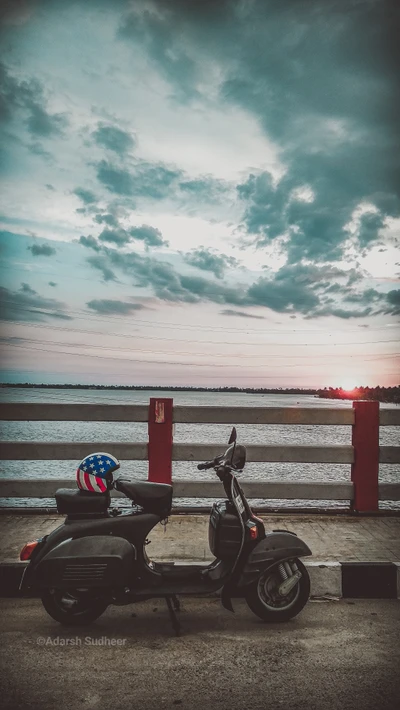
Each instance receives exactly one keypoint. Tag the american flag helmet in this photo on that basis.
(95, 472)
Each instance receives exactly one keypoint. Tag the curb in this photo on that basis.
(347, 580)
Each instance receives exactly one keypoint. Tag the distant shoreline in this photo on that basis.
(158, 388)
(379, 394)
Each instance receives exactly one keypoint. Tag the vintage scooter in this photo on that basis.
(98, 555)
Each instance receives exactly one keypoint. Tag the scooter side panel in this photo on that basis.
(274, 547)
(133, 528)
(95, 561)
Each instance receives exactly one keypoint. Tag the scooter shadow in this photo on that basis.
(149, 623)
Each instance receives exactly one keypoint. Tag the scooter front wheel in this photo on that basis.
(73, 608)
(268, 604)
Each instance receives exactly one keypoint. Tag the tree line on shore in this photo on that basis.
(378, 394)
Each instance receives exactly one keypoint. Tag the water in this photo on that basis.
(185, 433)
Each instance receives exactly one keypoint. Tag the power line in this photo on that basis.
(208, 342)
(177, 326)
(181, 352)
(150, 362)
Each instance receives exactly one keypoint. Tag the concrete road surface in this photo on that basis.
(342, 655)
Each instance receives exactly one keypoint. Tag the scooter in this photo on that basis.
(98, 557)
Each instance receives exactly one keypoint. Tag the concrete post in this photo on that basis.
(160, 440)
(365, 469)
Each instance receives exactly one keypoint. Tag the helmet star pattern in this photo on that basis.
(94, 473)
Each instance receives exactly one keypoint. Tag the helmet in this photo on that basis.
(95, 472)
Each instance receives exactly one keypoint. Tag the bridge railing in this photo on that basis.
(363, 490)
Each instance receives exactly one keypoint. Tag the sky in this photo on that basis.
(200, 192)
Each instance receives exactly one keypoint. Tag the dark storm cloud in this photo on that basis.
(114, 307)
(27, 305)
(41, 250)
(322, 80)
(26, 97)
(151, 236)
(87, 196)
(207, 260)
(89, 242)
(114, 139)
(239, 314)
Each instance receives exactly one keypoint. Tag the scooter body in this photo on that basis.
(98, 556)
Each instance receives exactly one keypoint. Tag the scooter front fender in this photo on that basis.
(274, 547)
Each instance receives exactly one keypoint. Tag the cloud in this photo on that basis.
(114, 307)
(102, 264)
(42, 250)
(89, 242)
(36, 148)
(239, 314)
(151, 236)
(207, 189)
(40, 123)
(166, 282)
(321, 82)
(28, 306)
(150, 180)
(174, 62)
(87, 196)
(207, 260)
(115, 236)
(393, 301)
(294, 289)
(107, 218)
(26, 97)
(116, 180)
(369, 227)
(114, 139)
(25, 288)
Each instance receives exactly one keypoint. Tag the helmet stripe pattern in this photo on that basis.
(92, 472)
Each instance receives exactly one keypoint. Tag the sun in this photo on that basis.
(348, 384)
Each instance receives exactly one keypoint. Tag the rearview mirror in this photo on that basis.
(233, 436)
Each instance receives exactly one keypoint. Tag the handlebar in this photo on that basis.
(210, 464)
(205, 466)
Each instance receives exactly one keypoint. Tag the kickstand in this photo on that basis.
(176, 602)
(175, 623)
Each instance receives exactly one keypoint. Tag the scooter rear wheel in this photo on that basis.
(73, 608)
(264, 600)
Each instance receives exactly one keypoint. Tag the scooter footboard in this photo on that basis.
(274, 547)
(86, 562)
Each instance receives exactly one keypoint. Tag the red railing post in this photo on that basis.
(160, 440)
(365, 469)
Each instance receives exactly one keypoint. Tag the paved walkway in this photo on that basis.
(332, 656)
(341, 538)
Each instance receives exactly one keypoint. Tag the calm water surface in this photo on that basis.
(185, 433)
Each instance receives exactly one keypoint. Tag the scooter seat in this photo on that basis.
(78, 502)
(152, 497)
